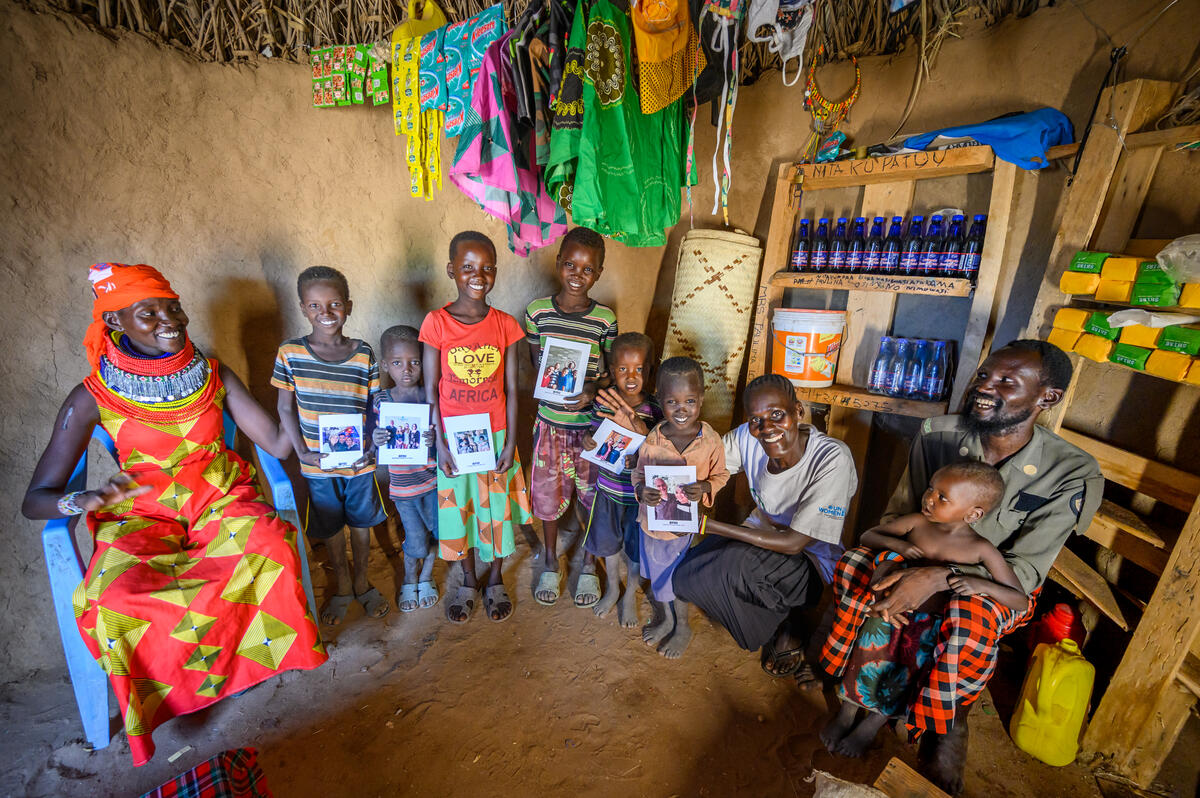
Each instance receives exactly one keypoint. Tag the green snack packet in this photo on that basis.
(1097, 324)
(327, 93)
(378, 86)
(1129, 355)
(357, 95)
(1154, 295)
(1178, 338)
(1151, 273)
(362, 54)
(1089, 262)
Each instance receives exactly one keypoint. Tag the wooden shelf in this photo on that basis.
(889, 283)
(892, 168)
(855, 398)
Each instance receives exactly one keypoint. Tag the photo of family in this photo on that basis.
(613, 444)
(563, 369)
(405, 426)
(341, 437)
(470, 440)
(674, 513)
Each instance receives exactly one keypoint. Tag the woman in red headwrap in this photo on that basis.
(193, 591)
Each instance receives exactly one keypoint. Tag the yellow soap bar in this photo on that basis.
(1071, 319)
(1124, 269)
(1171, 365)
(1094, 347)
(1139, 335)
(1063, 339)
(1193, 375)
(1114, 291)
(1190, 296)
(1079, 283)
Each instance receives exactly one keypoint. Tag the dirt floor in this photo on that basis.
(553, 702)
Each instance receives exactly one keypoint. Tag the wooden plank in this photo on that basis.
(1138, 719)
(769, 295)
(898, 780)
(892, 168)
(1169, 137)
(1130, 523)
(855, 398)
(1133, 548)
(888, 283)
(1060, 151)
(1145, 247)
(1189, 674)
(1082, 580)
(982, 318)
(1157, 480)
(1123, 205)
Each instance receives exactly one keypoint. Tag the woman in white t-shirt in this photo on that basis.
(754, 578)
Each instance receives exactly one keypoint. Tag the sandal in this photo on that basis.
(548, 582)
(407, 595)
(769, 654)
(464, 599)
(493, 597)
(427, 595)
(588, 585)
(374, 603)
(335, 609)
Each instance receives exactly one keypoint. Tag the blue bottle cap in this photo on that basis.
(958, 217)
(824, 220)
(979, 217)
(878, 220)
(860, 219)
(897, 218)
(841, 220)
(918, 218)
(937, 217)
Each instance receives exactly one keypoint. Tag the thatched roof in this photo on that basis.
(242, 30)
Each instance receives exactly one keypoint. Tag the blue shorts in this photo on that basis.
(612, 527)
(418, 516)
(337, 502)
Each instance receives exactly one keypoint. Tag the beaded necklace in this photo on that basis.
(826, 114)
(152, 380)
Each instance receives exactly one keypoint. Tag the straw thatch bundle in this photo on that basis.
(240, 30)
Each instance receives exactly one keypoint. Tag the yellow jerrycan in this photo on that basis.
(1054, 701)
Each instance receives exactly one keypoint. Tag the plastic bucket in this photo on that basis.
(805, 345)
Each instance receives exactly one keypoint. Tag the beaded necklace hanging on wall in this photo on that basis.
(827, 115)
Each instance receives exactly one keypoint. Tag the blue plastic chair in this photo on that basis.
(66, 568)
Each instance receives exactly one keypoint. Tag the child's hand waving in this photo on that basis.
(621, 413)
(119, 488)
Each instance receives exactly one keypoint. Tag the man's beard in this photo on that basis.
(996, 425)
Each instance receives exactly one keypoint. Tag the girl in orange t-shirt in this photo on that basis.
(471, 363)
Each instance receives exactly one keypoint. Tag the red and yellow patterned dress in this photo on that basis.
(193, 592)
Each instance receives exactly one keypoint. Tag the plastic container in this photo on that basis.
(805, 345)
(1049, 717)
(1060, 623)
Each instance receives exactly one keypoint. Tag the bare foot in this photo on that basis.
(607, 601)
(840, 726)
(942, 757)
(661, 624)
(334, 611)
(858, 741)
(627, 611)
(674, 646)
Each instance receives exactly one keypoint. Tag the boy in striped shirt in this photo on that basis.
(558, 470)
(326, 372)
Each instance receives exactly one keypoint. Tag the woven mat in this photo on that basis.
(711, 309)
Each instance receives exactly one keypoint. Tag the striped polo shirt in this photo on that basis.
(596, 326)
(324, 387)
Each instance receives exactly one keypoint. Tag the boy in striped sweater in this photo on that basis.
(558, 471)
(326, 372)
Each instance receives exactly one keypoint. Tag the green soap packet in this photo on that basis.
(1089, 262)
(1154, 295)
(1097, 324)
(1178, 338)
(1151, 273)
(1130, 355)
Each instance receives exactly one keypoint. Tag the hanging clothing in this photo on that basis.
(630, 167)
(487, 169)
(668, 51)
(566, 126)
(786, 23)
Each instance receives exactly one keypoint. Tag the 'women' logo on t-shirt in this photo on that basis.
(473, 366)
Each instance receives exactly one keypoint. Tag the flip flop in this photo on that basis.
(548, 582)
(426, 590)
(464, 598)
(372, 601)
(493, 596)
(337, 606)
(769, 654)
(588, 585)
(407, 593)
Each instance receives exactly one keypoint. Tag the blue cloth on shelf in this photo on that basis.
(1019, 138)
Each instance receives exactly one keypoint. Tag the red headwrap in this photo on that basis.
(117, 286)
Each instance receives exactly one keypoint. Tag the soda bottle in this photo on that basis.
(889, 262)
(837, 247)
(878, 378)
(856, 248)
(968, 265)
(914, 371)
(818, 260)
(952, 249)
(933, 385)
(893, 378)
(931, 249)
(802, 248)
(910, 253)
(873, 263)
